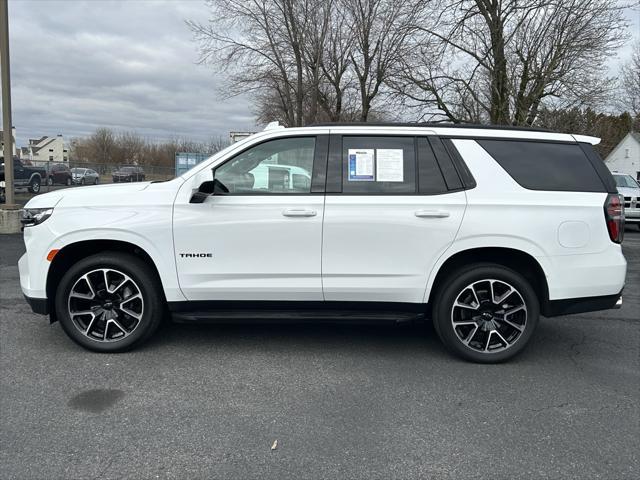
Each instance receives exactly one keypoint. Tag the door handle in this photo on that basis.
(432, 214)
(298, 212)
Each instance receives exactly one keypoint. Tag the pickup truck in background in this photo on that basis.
(25, 176)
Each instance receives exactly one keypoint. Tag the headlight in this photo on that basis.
(35, 216)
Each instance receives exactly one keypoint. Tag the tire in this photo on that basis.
(130, 279)
(477, 318)
(95, 182)
(34, 185)
(82, 182)
(50, 181)
(68, 182)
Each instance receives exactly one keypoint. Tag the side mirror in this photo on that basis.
(204, 190)
(219, 188)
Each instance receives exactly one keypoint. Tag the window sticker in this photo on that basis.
(361, 165)
(389, 165)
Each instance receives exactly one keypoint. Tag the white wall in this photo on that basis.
(13, 144)
(53, 149)
(625, 158)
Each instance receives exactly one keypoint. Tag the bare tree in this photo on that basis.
(630, 76)
(268, 48)
(381, 32)
(500, 61)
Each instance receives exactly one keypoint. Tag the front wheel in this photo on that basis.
(486, 313)
(82, 182)
(109, 302)
(68, 182)
(50, 181)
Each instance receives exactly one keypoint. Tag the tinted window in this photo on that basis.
(430, 179)
(378, 165)
(545, 166)
(278, 167)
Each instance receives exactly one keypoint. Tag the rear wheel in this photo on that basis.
(50, 181)
(486, 313)
(95, 182)
(34, 185)
(109, 302)
(68, 182)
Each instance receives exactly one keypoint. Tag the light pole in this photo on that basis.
(6, 103)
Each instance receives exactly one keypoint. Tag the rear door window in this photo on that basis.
(545, 165)
(378, 165)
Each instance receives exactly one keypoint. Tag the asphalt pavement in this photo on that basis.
(209, 401)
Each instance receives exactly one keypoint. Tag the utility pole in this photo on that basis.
(6, 103)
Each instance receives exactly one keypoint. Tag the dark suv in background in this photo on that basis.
(59, 174)
(129, 173)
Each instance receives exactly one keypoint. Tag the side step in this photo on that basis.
(295, 312)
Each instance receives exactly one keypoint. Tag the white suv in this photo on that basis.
(480, 229)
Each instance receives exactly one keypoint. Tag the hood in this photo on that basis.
(79, 194)
(629, 192)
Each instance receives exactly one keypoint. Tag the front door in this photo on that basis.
(262, 239)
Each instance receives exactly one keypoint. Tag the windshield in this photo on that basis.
(78, 170)
(625, 181)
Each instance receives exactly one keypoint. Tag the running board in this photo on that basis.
(295, 312)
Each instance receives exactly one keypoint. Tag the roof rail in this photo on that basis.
(427, 125)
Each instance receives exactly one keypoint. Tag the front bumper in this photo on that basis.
(38, 305)
(631, 215)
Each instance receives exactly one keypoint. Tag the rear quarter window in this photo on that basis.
(545, 166)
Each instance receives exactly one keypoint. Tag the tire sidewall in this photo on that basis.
(447, 295)
(35, 185)
(141, 275)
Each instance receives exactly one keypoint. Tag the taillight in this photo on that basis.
(614, 216)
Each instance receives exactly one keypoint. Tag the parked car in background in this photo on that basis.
(129, 173)
(628, 187)
(59, 174)
(24, 176)
(85, 176)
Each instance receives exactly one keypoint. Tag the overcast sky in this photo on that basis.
(129, 65)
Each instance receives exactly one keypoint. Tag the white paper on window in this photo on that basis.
(361, 165)
(390, 165)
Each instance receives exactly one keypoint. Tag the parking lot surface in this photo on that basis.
(208, 401)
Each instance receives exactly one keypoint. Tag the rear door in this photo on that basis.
(391, 209)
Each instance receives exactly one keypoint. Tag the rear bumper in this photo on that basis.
(570, 306)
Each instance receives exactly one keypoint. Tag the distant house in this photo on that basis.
(13, 134)
(237, 136)
(625, 158)
(46, 149)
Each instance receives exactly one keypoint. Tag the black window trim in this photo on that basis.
(317, 157)
(462, 169)
(335, 164)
